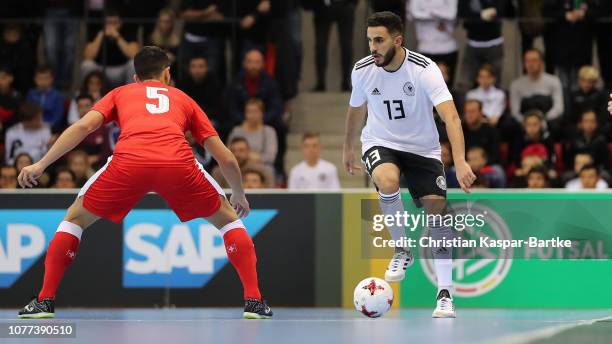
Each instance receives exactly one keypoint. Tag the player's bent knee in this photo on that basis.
(78, 215)
(434, 204)
(224, 215)
(387, 184)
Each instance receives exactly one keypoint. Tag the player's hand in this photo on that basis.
(29, 174)
(610, 104)
(348, 159)
(240, 204)
(465, 176)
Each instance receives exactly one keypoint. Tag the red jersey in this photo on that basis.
(153, 118)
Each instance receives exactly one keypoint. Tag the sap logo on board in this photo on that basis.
(24, 237)
(160, 251)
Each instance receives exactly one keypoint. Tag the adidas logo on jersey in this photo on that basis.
(376, 92)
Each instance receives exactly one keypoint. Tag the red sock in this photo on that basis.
(241, 253)
(60, 254)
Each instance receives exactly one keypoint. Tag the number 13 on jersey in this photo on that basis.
(399, 108)
(163, 102)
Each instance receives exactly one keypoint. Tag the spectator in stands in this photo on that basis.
(581, 159)
(261, 137)
(535, 155)
(587, 137)
(18, 55)
(253, 179)
(396, 6)
(537, 178)
(31, 135)
(286, 19)
(60, 38)
(64, 179)
(485, 44)
(492, 98)
(457, 96)
(604, 41)
(536, 90)
(203, 37)
(449, 168)
(9, 101)
(206, 91)
(325, 14)
(493, 174)
(96, 85)
(479, 133)
(239, 146)
(534, 132)
(111, 50)
(96, 144)
(435, 22)
(313, 172)
(589, 178)
(569, 38)
(22, 160)
(140, 13)
(533, 25)
(528, 162)
(166, 35)
(254, 18)
(78, 163)
(8, 177)
(48, 98)
(254, 82)
(588, 97)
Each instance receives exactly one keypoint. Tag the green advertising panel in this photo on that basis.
(557, 254)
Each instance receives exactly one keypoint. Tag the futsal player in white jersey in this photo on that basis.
(398, 90)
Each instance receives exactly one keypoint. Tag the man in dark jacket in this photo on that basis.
(485, 44)
(205, 89)
(254, 82)
(326, 12)
(569, 38)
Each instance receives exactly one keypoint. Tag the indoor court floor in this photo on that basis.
(324, 325)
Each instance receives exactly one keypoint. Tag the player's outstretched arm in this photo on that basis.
(449, 115)
(231, 171)
(354, 121)
(65, 143)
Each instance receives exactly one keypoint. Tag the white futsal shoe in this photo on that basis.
(397, 266)
(445, 308)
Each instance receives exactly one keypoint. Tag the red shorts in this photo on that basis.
(116, 188)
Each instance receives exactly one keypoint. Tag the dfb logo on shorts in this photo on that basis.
(409, 88)
(441, 182)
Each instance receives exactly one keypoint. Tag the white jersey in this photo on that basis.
(400, 104)
(323, 175)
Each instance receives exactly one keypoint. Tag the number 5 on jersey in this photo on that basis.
(163, 102)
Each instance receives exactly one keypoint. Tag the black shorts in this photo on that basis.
(425, 176)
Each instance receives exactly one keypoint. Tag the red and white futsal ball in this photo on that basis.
(373, 297)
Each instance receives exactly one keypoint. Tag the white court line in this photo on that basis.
(547, 332)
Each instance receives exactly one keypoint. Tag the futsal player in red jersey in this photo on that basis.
(151, 155)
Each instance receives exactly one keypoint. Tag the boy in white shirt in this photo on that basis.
(492, 98)
(313, 172)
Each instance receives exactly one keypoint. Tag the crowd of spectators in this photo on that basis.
(241, 60)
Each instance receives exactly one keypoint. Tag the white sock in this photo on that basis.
(390, 205)
(442, 256)
(70, 228)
